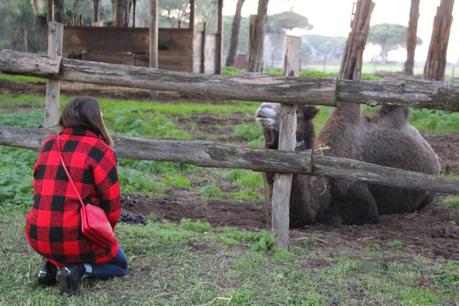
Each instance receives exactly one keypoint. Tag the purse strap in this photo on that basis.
(67, 172)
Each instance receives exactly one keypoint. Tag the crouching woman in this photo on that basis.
(54, 224)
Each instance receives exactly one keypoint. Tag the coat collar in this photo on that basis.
(78, 131)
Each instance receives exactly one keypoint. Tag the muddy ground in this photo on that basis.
(433, 231)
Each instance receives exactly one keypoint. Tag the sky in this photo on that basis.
(332, 18)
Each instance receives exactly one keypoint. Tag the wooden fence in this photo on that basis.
(289, 90)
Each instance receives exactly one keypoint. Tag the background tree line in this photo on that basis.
(23, 27)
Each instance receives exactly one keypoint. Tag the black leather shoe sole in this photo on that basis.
(69, 279)
(46, 279)
(47, 274)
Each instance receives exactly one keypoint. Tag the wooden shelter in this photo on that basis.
(179, 49)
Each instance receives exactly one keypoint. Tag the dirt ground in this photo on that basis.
(115, 92)
(434, 231)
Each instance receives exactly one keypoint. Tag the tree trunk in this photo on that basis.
(219, 38)
(344, 114)
(50, 10)
(76, 12)
(59, 14)
(256, 46)
(192, 15)
(234, 34)
(434, 68)
(120, 13)
(96, 15)
(411, 37)
(134, 4)
(127, 13)
(38, 6)
(351, 66)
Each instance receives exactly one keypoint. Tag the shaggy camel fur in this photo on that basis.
(385, 139)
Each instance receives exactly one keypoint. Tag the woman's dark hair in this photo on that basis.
(84, 112)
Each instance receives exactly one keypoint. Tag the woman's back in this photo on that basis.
(54, 224)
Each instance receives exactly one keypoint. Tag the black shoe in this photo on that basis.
(69, 278)
(47, 274)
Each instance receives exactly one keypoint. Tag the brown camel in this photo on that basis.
(385, 139)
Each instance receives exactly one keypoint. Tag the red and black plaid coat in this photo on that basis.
(54, 225)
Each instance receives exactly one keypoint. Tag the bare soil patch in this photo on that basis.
(447, 148)
(432, 231)
(214, 126)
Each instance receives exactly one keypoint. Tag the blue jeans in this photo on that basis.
(117, 267)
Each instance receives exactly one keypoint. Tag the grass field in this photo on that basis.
(193, 263)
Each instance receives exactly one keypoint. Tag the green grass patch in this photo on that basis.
(23, 119)
(9, 101)
(231, 71)
(193, 263)
(197, 226)
(395, 244)
(322, 117)
(317, 74)
(177, 181)
(249, 131)
(134, 122)
(16, 178)
(250, 185)
(451, 201)
(245, 177)
(21, 79)
(211, 191)
(152, 120)
(434, 120)
(134, 181)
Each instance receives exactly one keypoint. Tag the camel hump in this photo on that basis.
(390, 116)
(398, 149)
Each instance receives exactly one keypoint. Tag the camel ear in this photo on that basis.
(310, 112)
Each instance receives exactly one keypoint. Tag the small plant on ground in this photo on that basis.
(197, 226)
(211, 191)
(264, 242)
(451, 201)
(395, 244)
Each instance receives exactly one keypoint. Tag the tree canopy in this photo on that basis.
(279, 23)
(317, 48)
(20, 28)
(388, 36)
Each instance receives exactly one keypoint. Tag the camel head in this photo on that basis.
(268, 116)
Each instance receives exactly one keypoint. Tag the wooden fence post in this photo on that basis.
(55, 39)
(287, 142)
(153, 45)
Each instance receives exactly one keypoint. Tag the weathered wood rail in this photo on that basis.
(287, 90)
(292, 90)
(211, 154)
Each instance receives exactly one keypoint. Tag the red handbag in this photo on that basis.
(94, 223)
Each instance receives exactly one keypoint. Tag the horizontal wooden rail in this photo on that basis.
(29, 64)
(210, 154)
(293, 90)
(248, 88)
(414, 93)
